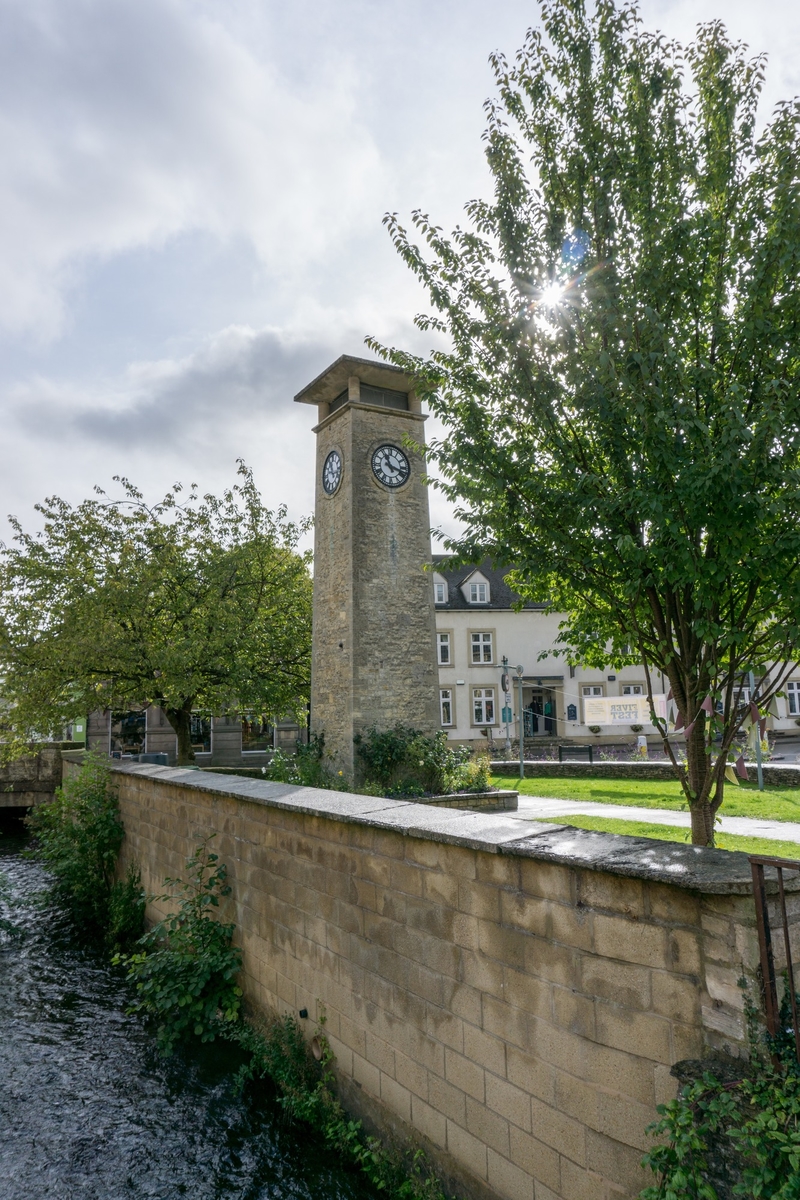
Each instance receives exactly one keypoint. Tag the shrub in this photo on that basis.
(405, 762)
(126, 907)
(78, 837)
(277, 1050)
(305, 767)
(739, 1138)
(186, 966)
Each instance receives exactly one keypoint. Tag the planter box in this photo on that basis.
(500, 800)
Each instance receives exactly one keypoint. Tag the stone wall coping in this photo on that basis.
(694, 868)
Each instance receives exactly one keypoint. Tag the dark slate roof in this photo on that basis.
(501, 594)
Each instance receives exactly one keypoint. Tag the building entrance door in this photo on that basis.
(539, 712)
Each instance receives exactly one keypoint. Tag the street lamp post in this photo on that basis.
(521, 726)
(505, 687)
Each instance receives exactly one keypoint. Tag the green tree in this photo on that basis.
(621, 362)
(191, 602)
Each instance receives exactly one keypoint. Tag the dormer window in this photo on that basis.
(440, 593)
(479, 593)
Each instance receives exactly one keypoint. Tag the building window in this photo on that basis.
(201, 733)
(443, 648)
(595, 689)
(440, 593)
(446, 705)
(479, 593)
(128, 732)
(632, 689)
(793, 696)
(483, 706)
(482, 651)
(256, 734)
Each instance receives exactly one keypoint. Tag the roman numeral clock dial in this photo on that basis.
(390, 466)
(332, 472)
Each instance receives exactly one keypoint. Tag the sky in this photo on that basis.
(191, 203)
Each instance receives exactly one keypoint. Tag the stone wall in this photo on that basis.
(511, 994)
(775, 774)
(31, 780)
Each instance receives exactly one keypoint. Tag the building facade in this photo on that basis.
(223, 741)
(477, 625)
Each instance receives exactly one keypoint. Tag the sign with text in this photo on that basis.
(622, 710)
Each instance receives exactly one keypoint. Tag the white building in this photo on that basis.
(476, 626)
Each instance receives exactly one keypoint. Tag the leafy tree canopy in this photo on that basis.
(194, 602)
(621, 383)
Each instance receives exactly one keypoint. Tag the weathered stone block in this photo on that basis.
(490, 1127)
(631, 941)
(625, 984)
(467, 1149)
(507, 1180)
(509, 1101)
(537, 1159)
(639, 1033)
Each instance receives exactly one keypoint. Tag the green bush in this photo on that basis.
(126, 907)
(738, 1138)
(186, 966)
(305, 767)
(278, 1051)
(78, 837)
(406, 762)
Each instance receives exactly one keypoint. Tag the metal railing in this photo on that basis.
(768, 977)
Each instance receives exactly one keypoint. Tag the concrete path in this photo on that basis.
(533, 807)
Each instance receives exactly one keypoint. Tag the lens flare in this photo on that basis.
(552, 295)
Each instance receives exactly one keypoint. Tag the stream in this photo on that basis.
(90, 1110)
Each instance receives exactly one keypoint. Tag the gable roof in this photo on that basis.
(502, 597)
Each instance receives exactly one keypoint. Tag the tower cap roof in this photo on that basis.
(333, 380)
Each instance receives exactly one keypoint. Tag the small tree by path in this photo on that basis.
(621, 377)
(190, 602)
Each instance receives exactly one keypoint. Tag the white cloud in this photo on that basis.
(185, 419)
(272, 136)
(124, 124)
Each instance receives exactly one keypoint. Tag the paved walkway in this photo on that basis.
(532, 807)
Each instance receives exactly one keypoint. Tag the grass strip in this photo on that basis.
(773, 804)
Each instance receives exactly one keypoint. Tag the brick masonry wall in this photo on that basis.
(511, 994)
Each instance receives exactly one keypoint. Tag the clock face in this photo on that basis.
(332, 472)
(390, 466)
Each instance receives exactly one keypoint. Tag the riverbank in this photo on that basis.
(89, 1108)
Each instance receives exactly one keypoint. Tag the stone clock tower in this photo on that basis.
(374, 660)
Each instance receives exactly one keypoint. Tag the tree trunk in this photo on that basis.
(698, 769)
(702, 825)
(181, 721)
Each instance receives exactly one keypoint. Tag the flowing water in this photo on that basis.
(88, 1108)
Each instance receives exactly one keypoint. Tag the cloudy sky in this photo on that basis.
(191, 196)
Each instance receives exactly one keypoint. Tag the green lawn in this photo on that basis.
(773, 804)
(674, 833)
